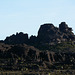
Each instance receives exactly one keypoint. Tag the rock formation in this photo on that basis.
(47, 34)
(52, 48)
(19, 38)
(50, 34)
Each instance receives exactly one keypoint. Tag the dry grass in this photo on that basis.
(56, 72)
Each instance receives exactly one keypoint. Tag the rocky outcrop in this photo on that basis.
(19, 38)
(63, 27)
(52, 48)
(48, 36)
(48, 33)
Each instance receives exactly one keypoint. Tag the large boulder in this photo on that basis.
(47, 32)
(63, 27)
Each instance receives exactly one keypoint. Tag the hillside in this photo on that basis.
(52, 48)
(49, 38)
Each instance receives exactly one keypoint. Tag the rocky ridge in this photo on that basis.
(47, 33)
(52, 48)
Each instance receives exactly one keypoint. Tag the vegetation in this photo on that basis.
(51, 51)
(52, 72)
(60, 47)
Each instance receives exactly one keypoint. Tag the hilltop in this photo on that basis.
(49, 37)
(52, 48)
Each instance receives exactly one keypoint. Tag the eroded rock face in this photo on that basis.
(63, 27)
(19, 38)
(48, 33)
(20, 50)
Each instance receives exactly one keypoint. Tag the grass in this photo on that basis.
(54, 72)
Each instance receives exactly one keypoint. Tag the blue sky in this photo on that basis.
(27, 15)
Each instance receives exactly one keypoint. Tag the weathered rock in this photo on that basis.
(48, 33)
(15, 50)
(19, 38)
(30, 55)
(33, 54)
(63, 27)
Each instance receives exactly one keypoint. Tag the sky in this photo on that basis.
(27, 15)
